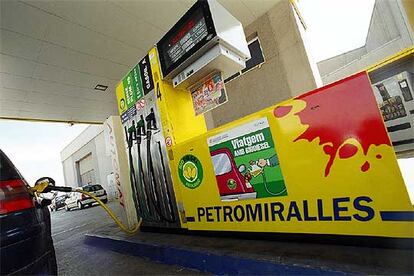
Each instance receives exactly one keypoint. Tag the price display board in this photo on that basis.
(190, 33)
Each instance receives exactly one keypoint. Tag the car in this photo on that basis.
(232, 184)
(78, 200)
(58, 202)
(26, 245)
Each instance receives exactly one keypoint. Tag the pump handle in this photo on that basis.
(151, 122)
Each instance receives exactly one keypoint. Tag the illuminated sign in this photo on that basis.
(186, 37)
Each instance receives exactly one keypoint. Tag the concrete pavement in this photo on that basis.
(76, 258)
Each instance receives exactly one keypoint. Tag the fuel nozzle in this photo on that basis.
(130, 134)
(140, 129)
(151, 122)
(47, 184)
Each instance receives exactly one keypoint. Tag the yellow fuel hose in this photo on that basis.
(111, 214)
(43, 185)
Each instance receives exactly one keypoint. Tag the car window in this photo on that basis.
(7, 170)
(92, 188)
(221, 163)
(87, 188)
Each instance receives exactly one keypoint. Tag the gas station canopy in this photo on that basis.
(61, 60)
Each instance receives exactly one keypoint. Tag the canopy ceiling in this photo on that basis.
(54, 53)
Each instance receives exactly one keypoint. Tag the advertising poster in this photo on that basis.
(245, 162)
(209, 95)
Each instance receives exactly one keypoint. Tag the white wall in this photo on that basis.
(90, 141)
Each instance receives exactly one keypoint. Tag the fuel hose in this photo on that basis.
(164, 174)
(123, 227)
(152, 180)
(143, 185)
(44, 187)
(132, 172)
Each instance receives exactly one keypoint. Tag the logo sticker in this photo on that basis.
(190, 171)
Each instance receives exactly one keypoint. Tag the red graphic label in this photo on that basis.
(140, 104)
(340, 111)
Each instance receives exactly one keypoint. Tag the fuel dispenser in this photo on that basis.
(319, 163)
(150, 176)
(395, 99)
(156, 107)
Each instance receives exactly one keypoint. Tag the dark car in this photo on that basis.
(58, 202)
(26, 245)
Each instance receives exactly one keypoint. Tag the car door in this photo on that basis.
(75, 199)
(72, 200)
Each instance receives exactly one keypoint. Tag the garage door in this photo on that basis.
(86, 170)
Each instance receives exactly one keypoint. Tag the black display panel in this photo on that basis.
(187, 36)
(146, 75)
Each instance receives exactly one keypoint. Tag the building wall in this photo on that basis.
(389, 32)
(329, 65)
(90, 141)
(286, 72)
(104, 164)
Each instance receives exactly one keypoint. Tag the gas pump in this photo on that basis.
(150, 176)
(156, 107)
(315, 164)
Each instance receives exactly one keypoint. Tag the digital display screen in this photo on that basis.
(188, 35)
(191, 33)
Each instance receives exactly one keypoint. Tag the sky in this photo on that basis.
(34, 147)
(333, 27)
(407, 171)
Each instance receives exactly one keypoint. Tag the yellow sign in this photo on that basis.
(319, 163)
(120, 98)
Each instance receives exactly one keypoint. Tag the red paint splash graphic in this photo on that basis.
(347, 151)
(340, 111)
(282, 111)
(365, 166)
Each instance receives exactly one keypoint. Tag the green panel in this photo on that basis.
(137, 82)
(130, 92)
